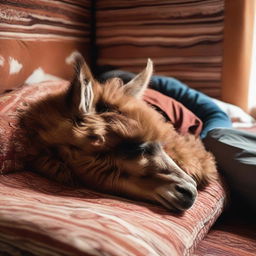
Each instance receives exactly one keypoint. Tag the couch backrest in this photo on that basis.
(41, 35)
(184, 38)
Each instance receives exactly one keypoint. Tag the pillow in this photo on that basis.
(40, 217)
(237, 115)
(13, 146)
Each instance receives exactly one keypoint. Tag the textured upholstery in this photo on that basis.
(39, 217)
(183, 38)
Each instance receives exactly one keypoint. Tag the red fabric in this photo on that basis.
(183, 120)
(12, 144)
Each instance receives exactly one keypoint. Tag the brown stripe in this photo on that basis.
(44, 17)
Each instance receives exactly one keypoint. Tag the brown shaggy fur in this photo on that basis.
(92, 148)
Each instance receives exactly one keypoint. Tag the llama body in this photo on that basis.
(106, 138)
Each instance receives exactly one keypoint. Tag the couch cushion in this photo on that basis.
(40, 217)
(43, 218)
(13, 146)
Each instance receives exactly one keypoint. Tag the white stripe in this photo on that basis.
(41, 37)
(70, 22)
(41, 26)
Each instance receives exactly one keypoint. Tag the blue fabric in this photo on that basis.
(200, 104)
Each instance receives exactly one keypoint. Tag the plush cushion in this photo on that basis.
(13, 146)
(40, 217)
(43, 218)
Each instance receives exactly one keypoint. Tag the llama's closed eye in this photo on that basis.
(151, 148)
(133, 149)
(102, 107)
(130, 149)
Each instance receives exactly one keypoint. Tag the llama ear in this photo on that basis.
(139, 83)
(81, 93)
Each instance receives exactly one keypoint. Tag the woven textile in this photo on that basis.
(183, 38)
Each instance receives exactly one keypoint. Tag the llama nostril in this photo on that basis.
(187, 193)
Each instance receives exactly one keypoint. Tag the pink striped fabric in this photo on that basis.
(13, 147)
(40, 217)
(43, 218)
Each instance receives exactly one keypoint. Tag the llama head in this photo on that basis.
(108, 129)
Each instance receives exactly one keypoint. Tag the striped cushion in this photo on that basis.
(40, 217)
(184, 38)
(13, 146)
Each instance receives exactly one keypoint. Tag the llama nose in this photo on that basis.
(184, 191)
(187, 195)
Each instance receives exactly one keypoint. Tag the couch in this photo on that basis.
(38, 40)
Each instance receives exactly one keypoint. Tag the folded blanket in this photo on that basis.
(183, 120)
